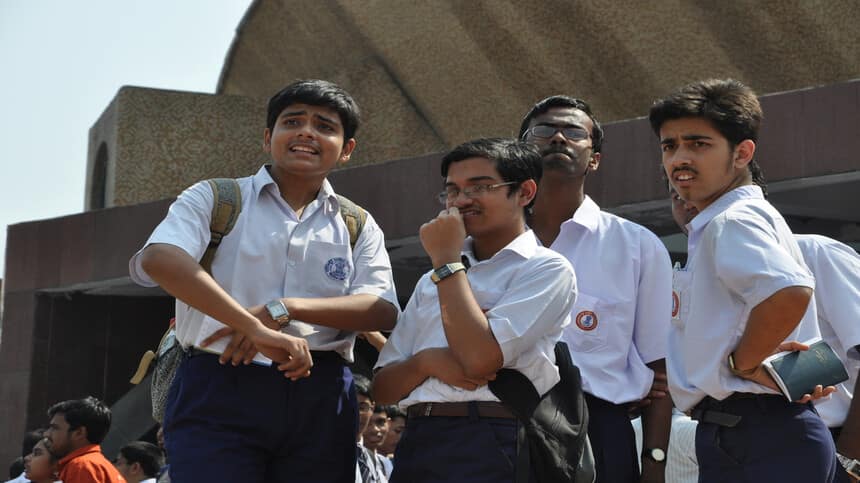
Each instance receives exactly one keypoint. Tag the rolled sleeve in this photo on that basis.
(753, 264)
(186, 226)
(536, 305)
(373, 273)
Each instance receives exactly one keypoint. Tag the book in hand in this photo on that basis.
(798, 372)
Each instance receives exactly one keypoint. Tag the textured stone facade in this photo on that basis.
(432, 74)
(153, 143)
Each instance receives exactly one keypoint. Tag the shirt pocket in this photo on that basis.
(327, 269)
(591, 322)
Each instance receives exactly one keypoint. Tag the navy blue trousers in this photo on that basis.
(774, 441)
(252, 424)
(612, 441)
(468, 449)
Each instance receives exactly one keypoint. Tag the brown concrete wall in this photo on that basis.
(159, 142)
(433, 74)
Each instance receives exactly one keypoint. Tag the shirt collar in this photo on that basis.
(524, 245)
(745, 192)
(263, 178)
(90, 448)
(587, 215)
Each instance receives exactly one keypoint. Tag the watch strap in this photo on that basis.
(446, 271)
(279, 313)
(738, 372)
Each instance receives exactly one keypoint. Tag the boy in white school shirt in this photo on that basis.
(495, 299)
(744, 292)
(285, 282)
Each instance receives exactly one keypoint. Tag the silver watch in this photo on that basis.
(279, 313)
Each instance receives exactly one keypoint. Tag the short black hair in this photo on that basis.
(515, 160)
(88, 412)
(565, 102)
(394, 411)
(362, 385)
(149, 456)
(30, 440)
(317, 92)
(729, 105)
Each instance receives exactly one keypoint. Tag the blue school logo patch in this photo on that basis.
(337, 268)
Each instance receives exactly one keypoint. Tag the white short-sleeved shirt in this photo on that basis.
(740, 252)
(525, 291)
(620, 321)
(271, 253)
(836, 268)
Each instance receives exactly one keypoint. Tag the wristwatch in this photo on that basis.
(446, 271)
(654, 454)
(738, 372)
(852, 466)
(279, 312)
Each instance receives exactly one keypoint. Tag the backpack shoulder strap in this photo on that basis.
(354, 216)
(225, 210)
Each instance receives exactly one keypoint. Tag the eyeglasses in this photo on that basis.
(471, 192)
(365, 407)
(571, 133)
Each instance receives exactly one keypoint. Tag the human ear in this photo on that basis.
(744, 152)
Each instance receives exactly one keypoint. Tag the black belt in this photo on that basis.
(710, 410)
(485, 409)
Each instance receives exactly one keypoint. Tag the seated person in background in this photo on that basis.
(29, 441)
(366, 469)
(40, 466)
(76, 429)
(396, 425)
(373, 437)
(495, 299)
(139, 462)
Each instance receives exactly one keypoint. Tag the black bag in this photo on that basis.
(555, 425)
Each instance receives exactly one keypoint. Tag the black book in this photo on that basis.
(798, 372)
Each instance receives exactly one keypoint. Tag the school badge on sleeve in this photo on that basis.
(337, 268)
(586, 320)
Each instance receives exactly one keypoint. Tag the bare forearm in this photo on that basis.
(770, 322)
(849, 440)
(357, 313)
(182, 277)
(657, 416)
(375, 338)
(466, 327)
(395, 381)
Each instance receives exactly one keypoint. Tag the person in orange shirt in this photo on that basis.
(76, 429)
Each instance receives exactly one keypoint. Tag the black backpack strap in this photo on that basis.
(225, 211)
(354, 216)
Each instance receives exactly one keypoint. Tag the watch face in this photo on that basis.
(276, 310)
(658, 454)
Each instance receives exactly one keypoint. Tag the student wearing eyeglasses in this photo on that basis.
(622, 313)
(462, 325)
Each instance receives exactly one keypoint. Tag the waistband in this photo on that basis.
(332, 356)
(723, 412)
(484, 409)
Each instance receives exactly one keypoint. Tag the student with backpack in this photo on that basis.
(291, 283)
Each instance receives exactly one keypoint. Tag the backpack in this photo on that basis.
(225, 211)
(553, 428)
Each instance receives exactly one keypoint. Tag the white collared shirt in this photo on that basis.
(740, 252)
(525, 291)
(836, 268)
(621, 318)
(272, 253)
